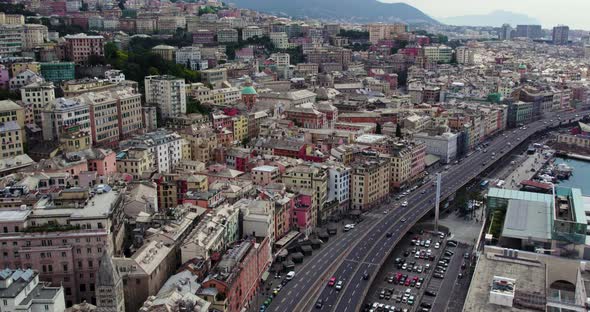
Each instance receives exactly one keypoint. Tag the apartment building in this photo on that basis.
(280, 40)
(34, 35)
(216, 230)
(22, 291)
(313, 178)
(11, 39)
(369, 183)
(233, 282)
(202, 142)
(251, 32)
(378, 32)
(264, 175)
(215, 77)
(227, 35)
(61, 115)
(38, 94)
(64, 245)
(189, 57)
(138, 162)
(80, 46)
(167, 93)
(145, 272)
(165, 146)
(12, 139)
(438, 53)
(339, 185)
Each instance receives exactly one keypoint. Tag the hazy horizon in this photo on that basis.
(542, 10)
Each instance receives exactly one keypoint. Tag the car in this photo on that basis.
(436, 246)
(404, 266)
(423, 192)
(332, 281)
(438, 275)
(365, 276)
(388, 234)
(427, 267)
(385, 211)
(426, 305)
(460, 276)
(347, 228)
(466, 255)
(430, 293)
(403, 220)
(319, 304)
(405, 204)
(418, 285)
(339, 285)
(406, 253)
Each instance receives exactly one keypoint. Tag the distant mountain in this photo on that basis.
(496, 18)
(349, 10)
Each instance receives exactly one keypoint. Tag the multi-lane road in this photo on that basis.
(364, 249)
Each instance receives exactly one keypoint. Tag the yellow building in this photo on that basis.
(75, 142)
(202, 143)
(186, 150)
(10, 111)
(11, 19)
(313, 178)
(370, 183)
(16, 68)
(137, 162)
(240, 128)
(11, 135)
(401, 166)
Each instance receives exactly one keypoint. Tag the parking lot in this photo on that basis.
(416, 275)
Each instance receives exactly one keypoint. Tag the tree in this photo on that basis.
(195, 107)
(378, 128)
(398, 131)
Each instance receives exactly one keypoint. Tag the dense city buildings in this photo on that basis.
(189, 156)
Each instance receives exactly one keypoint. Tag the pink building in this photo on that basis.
(4, 77)
(418, 155)
(302, 212)
(105, 162)
(65, 246)
(242, 267)
(221, 120)
(203, 36)
(79, 47)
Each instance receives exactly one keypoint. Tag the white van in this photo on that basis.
(290, 275)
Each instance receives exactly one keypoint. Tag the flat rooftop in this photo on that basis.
(530, 277)
(97, 207)
(526, 219)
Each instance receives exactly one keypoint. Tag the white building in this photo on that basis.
(189, 57)
(215, 231)
(339, 184)
(165, 146)
(227, 35)
(465, 55)
(438, 53)
(280, 40)
(168, 93)
(257, 218)
(114, 75)
(20, 290)
(11, 39)
(61, 114)
(39, 95)
(24, 78)
(250, 32)
(443, 146)
(34, 35)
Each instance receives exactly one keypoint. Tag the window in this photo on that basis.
(65, 267)
(82, 287)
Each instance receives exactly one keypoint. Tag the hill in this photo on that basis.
(496, 18)
(363, 11)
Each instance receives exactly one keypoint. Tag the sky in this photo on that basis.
(573, 13)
